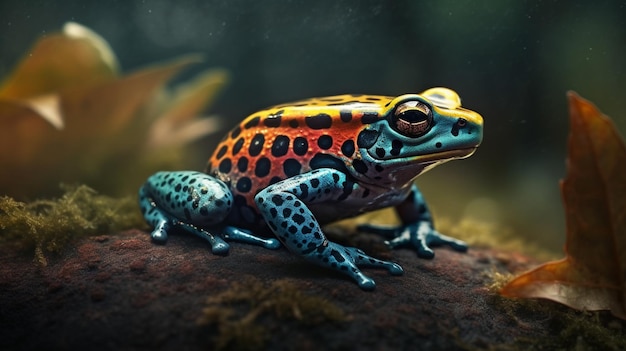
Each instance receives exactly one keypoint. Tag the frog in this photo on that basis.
(284, 172)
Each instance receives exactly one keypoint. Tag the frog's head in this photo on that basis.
(416, 133)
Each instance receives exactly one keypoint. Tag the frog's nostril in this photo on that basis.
(462, 122)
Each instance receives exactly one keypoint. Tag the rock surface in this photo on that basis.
(123, 292)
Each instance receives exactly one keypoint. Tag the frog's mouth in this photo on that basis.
(445, 155)
(433, 157)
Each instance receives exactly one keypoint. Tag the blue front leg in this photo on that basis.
(417, 229)
(284, 207)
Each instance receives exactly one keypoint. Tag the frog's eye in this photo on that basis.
(412, 119)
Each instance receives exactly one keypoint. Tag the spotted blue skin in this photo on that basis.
(193, 201)
(295, 208)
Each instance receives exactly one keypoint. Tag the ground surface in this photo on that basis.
(122, 292)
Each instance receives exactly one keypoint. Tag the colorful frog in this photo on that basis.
(292, 168)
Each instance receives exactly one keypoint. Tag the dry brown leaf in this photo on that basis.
(592, 276)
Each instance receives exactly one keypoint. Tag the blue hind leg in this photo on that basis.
(195, 202)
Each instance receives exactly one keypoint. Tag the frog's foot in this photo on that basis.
(419, 235)
(347, 260)
(246, 236)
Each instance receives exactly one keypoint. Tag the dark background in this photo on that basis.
(511, 60)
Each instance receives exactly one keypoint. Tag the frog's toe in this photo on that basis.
(220, 248)
(423, 251)
(395, 269)
(438, 239)
(272, 244)
(365, 282)
(159, 234)
(401, 240)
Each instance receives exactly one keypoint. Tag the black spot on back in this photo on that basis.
(293, 123)
(369, 117)
(272, 121)
(320, 121)
(256, 145)
(280, 146)
(253, 122)
(325, 142)
(263, 166)
(225, 165)
(237, 146)
(292, 167)
(242, 164)
(244, 184)
(235, 132)
(346, 115)
(347, 148)
(222, 152)
(300, 146)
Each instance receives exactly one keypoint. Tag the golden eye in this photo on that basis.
(412, 119)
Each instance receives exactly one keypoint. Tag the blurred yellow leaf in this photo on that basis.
(73, 59)
(176, 127)
(67, 116)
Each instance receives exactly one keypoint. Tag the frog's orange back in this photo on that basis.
(289, 139)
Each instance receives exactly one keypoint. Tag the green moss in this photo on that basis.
(47, 226)
(238, 311)
(566, 328)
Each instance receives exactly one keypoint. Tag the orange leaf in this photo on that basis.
(592, 275)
